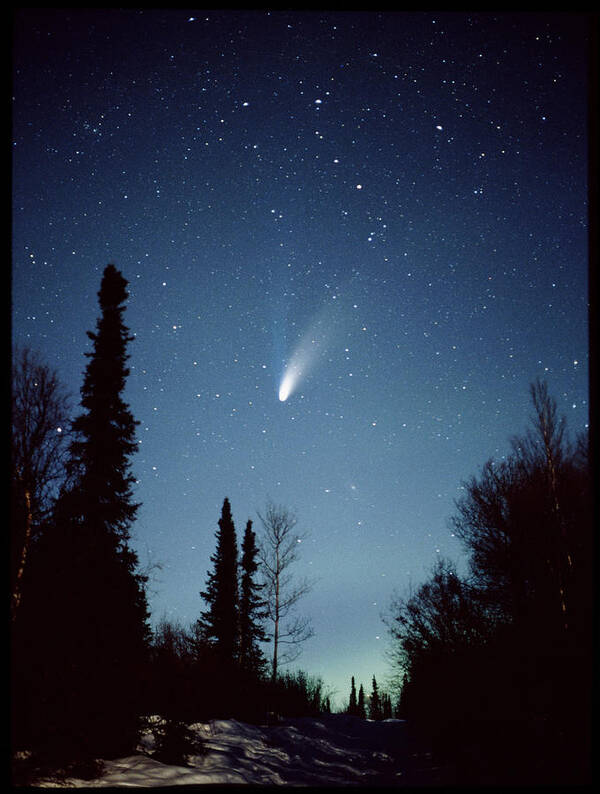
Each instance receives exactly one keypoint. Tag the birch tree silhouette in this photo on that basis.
(278, 551)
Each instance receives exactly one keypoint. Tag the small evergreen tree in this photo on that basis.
(375, 703)
(352, 704)
(220, 622)
(176, 743)
(360, 706)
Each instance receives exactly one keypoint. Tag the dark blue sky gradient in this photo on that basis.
(401, 195)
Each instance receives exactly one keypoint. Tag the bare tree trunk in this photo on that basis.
(278, 550)
(16, 594)
(276, 620)
(40, 411)
(551, 432)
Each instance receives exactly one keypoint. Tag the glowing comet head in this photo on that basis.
(290, 379)
(295, 370)
(286, 387)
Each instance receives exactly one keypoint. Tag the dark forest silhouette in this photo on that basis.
(492, 671)
(498, 666)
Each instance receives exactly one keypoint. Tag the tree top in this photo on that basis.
(113, 290)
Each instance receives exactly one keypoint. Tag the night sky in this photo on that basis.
(392, 205)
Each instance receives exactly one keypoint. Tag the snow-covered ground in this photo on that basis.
(331, 750)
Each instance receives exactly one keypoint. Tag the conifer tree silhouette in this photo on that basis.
(360, 706)
(375, 703)
(90, 609)
(220, 622)
(251, 606)
(352, 705)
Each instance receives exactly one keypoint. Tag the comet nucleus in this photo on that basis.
(285, 388)
(289, 380)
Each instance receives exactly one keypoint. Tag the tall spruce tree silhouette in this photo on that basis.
(107, 428)
(91, 604)
(220, 622)
(251, 607)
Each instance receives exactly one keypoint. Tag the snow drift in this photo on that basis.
(331, 750)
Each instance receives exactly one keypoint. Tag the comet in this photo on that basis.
(311, 346)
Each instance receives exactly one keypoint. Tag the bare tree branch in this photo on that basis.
(39, 432)
(277, 551)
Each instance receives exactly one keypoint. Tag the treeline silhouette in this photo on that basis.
(216, 668)
(378, 705)
(85, 665)
(495, 668)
